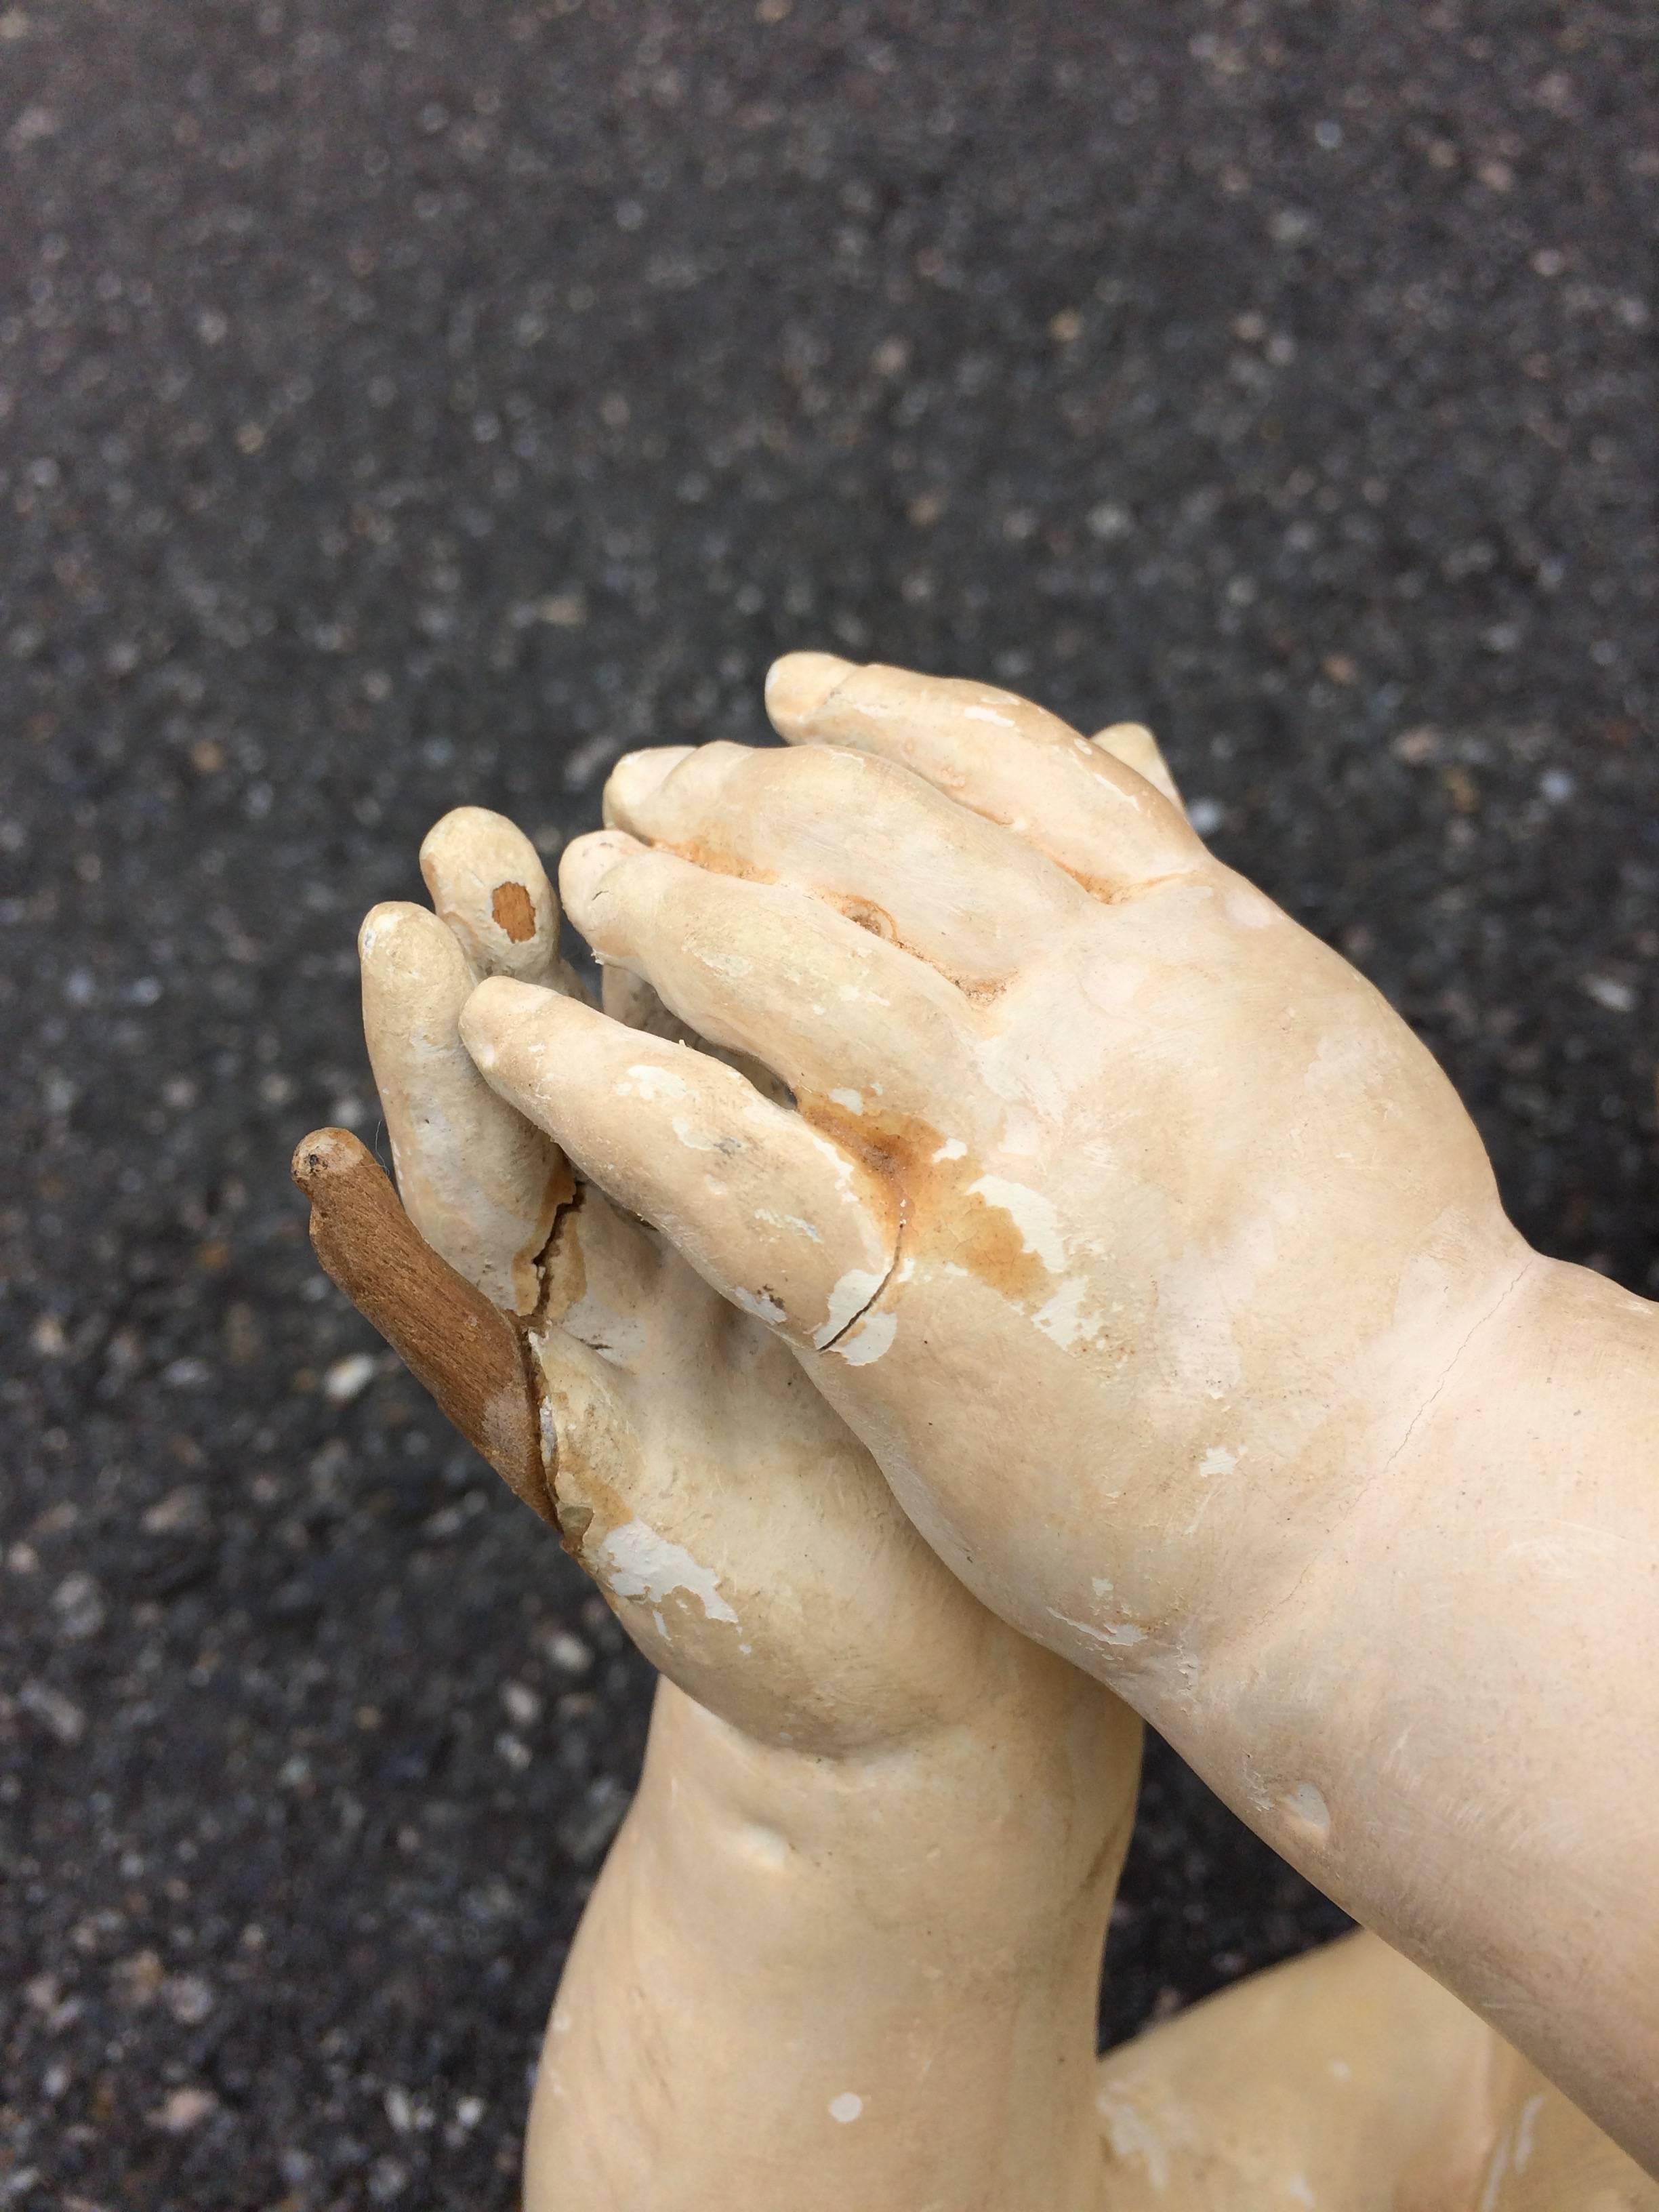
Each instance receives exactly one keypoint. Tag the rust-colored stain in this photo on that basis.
(867, 915)
(467, 1352)
(717, 858)
(944, 1218)
(515, 911)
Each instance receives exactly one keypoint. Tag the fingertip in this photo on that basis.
(1133, 744)
(636, 778)
(490, 887)
(458, 838)
(586, 864)
(326, 1156)
(798, 685)
(382, 925)
(398, 936)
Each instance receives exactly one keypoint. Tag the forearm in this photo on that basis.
(1452, 1724)
(812, 1983)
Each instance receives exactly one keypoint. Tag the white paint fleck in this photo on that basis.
(1132, 2135)
(851, 1100)
(1217, 1460)
(849, 1298)
(1119, 1636)
(846, 2107)
(868, 1339)
(988, 714)
(731, 964)
(1299, 2189)
(691, 1137)
(1102, 1585)
(646, 1081)
(1063, 1317)
(1338, 2069)
(952, 1149)
(1032, 1213)
(639, 1563)
(761, 1304)
(766, 1844)
(788, 1221)
(1307, 1804)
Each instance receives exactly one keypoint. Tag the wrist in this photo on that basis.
(892, 2008)
(997, 1829)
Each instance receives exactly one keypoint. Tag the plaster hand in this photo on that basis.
(864, 1765)
(1124, 1220)
(1166, 1278)
(739, 1529)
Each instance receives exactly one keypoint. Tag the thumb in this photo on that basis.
(465, 1351)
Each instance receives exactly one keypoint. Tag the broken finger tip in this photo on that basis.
(324, 1154)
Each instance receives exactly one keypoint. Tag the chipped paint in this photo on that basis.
(846, 1301)
(1032, 1213)
(636, 1562)
(867, 1339)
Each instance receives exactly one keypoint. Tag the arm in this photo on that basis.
(826, 1985)
(847, 1946)
(1453, 1726)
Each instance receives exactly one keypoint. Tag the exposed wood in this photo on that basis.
(466, 1352)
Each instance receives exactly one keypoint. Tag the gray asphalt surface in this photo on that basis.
(414, 403)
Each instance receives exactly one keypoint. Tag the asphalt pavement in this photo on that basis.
(413, 403)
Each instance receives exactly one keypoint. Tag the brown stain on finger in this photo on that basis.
(515, 911)
(473, 1359)
(943, 1218)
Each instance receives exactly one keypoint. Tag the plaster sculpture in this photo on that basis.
(1165, 1278)
(878, 1831)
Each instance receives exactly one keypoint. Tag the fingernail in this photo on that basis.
(798, 685)
(636, 778)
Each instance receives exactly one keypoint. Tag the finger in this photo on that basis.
(629, 999)
(487, 884)
(1134, 745)
(997, 755)
(481, 1185)
(871, 840)
(759, 967)
(771, 1214)
(634, 777)
(448, 1334)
